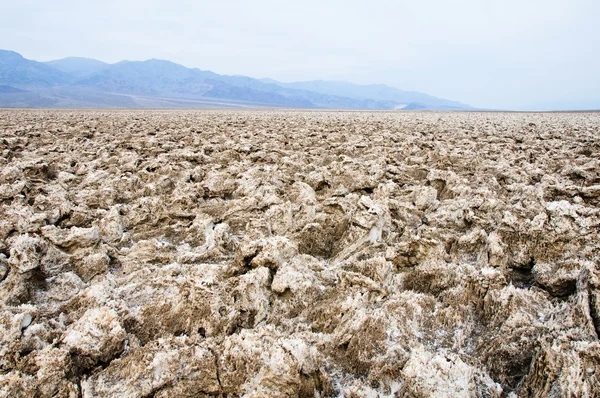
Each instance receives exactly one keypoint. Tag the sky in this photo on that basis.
(501, 54)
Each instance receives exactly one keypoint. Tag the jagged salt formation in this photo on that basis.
(275, 254)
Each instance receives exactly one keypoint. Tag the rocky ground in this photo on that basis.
(284, 254)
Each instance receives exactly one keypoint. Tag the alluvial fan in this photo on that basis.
(288, 253)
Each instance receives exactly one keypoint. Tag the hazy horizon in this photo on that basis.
(488, 55)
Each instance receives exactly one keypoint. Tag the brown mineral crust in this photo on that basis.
(296, 253)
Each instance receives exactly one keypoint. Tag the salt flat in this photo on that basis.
(295, 253)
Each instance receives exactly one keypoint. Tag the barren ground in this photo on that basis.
(276, 254)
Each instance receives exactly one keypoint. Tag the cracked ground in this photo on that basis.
(299, 254)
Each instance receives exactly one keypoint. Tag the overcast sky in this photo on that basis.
(486, 53)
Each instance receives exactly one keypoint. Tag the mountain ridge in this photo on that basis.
(87, 82)
(78, 66)
(379, 92)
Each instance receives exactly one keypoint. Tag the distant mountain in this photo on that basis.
(377, 92)
(158, 78)
(414, 107)
(84, 82)
(78, 66)
(9, 89)
(152, 77)
(19, 72)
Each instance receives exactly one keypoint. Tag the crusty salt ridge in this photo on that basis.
(276, 253)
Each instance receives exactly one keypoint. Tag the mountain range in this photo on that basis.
(88, 83)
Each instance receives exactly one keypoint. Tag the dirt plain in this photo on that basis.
(287, 253)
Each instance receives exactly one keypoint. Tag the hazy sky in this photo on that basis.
(487, 53)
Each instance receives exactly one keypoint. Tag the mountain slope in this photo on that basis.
(318, 100)
(19, 72)
(84, 82)
(77, 66)
(164, 78)
(377, 92)
(152, 77)
(9, 89)
(167, 79)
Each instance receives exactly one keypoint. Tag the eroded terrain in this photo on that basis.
(276, 254)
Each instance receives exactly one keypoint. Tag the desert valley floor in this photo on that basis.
(299, 254)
